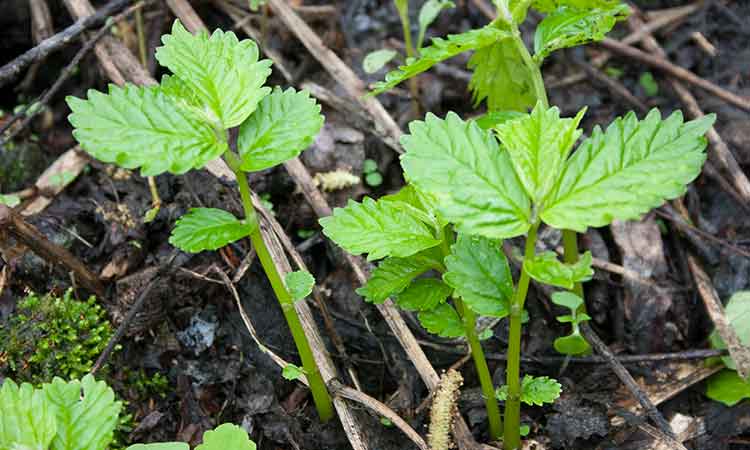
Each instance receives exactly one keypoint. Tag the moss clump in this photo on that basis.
(52, 336)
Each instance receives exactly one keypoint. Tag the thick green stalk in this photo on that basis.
(512, 436)
(317, 386)
(537, 81)
(485, 379)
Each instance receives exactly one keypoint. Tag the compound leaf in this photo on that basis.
(442, 320)
(546, 268)
(423, 294)
(226, 437)
(737, 312)
(393, 275)
(539, 144)
(84, 422)
(631, 168)
(479, 273)
(207, 229)
(136, 126)
(727, 387)
(569, 27)
(299, 283)
(440, 50)
(535, 390)
(501, 77)
(223, 71)
(27, 419)
(473, 180)
(380, 229)
(285, 123)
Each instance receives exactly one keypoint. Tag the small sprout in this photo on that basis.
(151, 214)
(614, 72)
(10, 200)
(487, 333)
(299, 283)
(727, 386)
(649, 84)
(291, 372)
(574, 343)
(305, 234)
(525, 430)
(534, 390)
(372, 176)
(265, 199)
(386, 422)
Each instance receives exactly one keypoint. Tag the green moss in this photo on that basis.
(52, 336)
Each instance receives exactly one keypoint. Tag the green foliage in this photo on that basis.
(207, 229)
(49, 336)
(86, 412)
(442, 320)
(737, 312)
(574, 343)
(224, 437)
(380, 229)
(224, 72)
(376, 60)
(292, 372)
(428, 13)
(491, 119)
(10, 200)
(546, 268)
(393, 275)
(423, 294)
(479, 272)
(547, 6)
(539, 145)
(135, 126)
(649, 84)
(569, 27)
(500, 77)
(440, 50)
(727, 387)
(160, 446)
(27, 420)
(284, 125)
(624, 172)
(535, 390)
(474, 182)
(299, 283)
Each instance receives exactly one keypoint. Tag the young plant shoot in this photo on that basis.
(501, 177)
(184, 122)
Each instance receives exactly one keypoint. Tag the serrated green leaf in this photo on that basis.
(160, 446)
(224, 72)
(299, 283)
(491, 119)
(501, 77)
(538, 144)
(624, 172)
(393, 275)
(423, 201)
(547, 6)
(534, 390)
(479, 273)
(379, 229)
(27, 419)
(142, 127)
(285, 124)
(86, 412)
(546, 268)
(569, 27)
(727, 387)
(292, 372)
(440, 50)
(423, 294)
(377, 59)
(226, 437)
(567, 300)
(442, 320)
(473, 180)
(737, 312)
(428, 13)
(207, 229)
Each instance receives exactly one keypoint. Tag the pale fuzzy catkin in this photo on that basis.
(335, 180)
(443, 407)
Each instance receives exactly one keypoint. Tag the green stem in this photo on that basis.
(485, 379)
(317, 386)
(537, 81)
(570, 255)
(512, 436)
(403, 12)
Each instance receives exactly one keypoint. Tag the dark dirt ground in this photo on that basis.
(231, 380)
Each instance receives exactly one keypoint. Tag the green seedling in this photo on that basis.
(574, 343)
(505, 174)
(728, 386)
(373, 177)
(184, 122)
